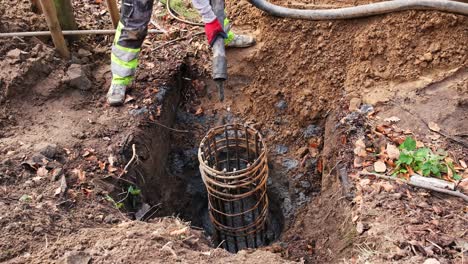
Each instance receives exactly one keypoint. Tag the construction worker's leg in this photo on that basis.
(236, 40)
(131, 32)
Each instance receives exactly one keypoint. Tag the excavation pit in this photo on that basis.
(234, 169)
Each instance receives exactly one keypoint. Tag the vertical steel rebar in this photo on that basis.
(235, 189)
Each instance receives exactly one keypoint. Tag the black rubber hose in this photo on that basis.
(362, 10)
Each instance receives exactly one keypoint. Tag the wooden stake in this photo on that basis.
(36, 7)
(114, 12)
(65, 14)
(50, 13)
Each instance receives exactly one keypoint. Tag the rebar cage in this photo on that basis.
(234, 168)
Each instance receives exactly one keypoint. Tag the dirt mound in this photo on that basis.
(164, 241)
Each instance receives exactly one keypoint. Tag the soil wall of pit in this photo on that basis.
(152, 144)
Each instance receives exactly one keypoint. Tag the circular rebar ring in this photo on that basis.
(234, 168)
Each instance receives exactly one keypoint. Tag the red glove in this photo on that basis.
(213, 30)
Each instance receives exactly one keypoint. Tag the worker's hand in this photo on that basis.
(213, 30)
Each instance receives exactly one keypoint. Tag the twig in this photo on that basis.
(437, 246)
(134, 157)
(155, 211)
(435, 189)
(121, 179)
(168, 247)
(175, 40)
(149, 210)
(172, 129)
(222, 242)
(158, 26)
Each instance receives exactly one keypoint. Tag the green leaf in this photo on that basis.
(409, 144)
(422, 154)
(457, 177)
(426, 169)
(119, 205)
(435, 170)
(25, 198)
(405, 158)
(134, 191)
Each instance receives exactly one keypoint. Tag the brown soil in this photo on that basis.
(412, 65)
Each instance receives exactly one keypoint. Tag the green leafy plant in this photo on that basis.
(132, 193)
(423, 161)
(117, 205)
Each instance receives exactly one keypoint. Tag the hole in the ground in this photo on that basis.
(169, 173)
(240, 223)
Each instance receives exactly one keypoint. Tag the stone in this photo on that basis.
(50, 151)
(290, 164)
(305, 184)
(15, 55)
(366, 108)
(281, 149)
(434, 47)
(76, 257)
(431, 261)
(56, 173)
(281, 105)
(110, 219)
(76, 77)
(360, 228)
(427, 57)
(354, 104)
(312, 131)
(84, 53)
(137, 112)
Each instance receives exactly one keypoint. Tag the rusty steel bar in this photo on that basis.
(236, 184)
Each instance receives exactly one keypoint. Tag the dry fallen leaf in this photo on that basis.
(42, 172)
(129, 99)
(111, 168)
(360, 143)
(463, 164)
(392, 151)
(102, 165)
(199, 111)
(434, 127)
(387, 187)
(81, 174)
(360, 152)
(364, 182)
(111, 160)
(379, 166)
(357, 162)
(392, 119)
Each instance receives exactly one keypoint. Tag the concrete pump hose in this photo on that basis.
(362, 10)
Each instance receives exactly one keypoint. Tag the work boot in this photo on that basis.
(239, 41)
(116, 94)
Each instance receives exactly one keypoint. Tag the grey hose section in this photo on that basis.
(362, 10)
